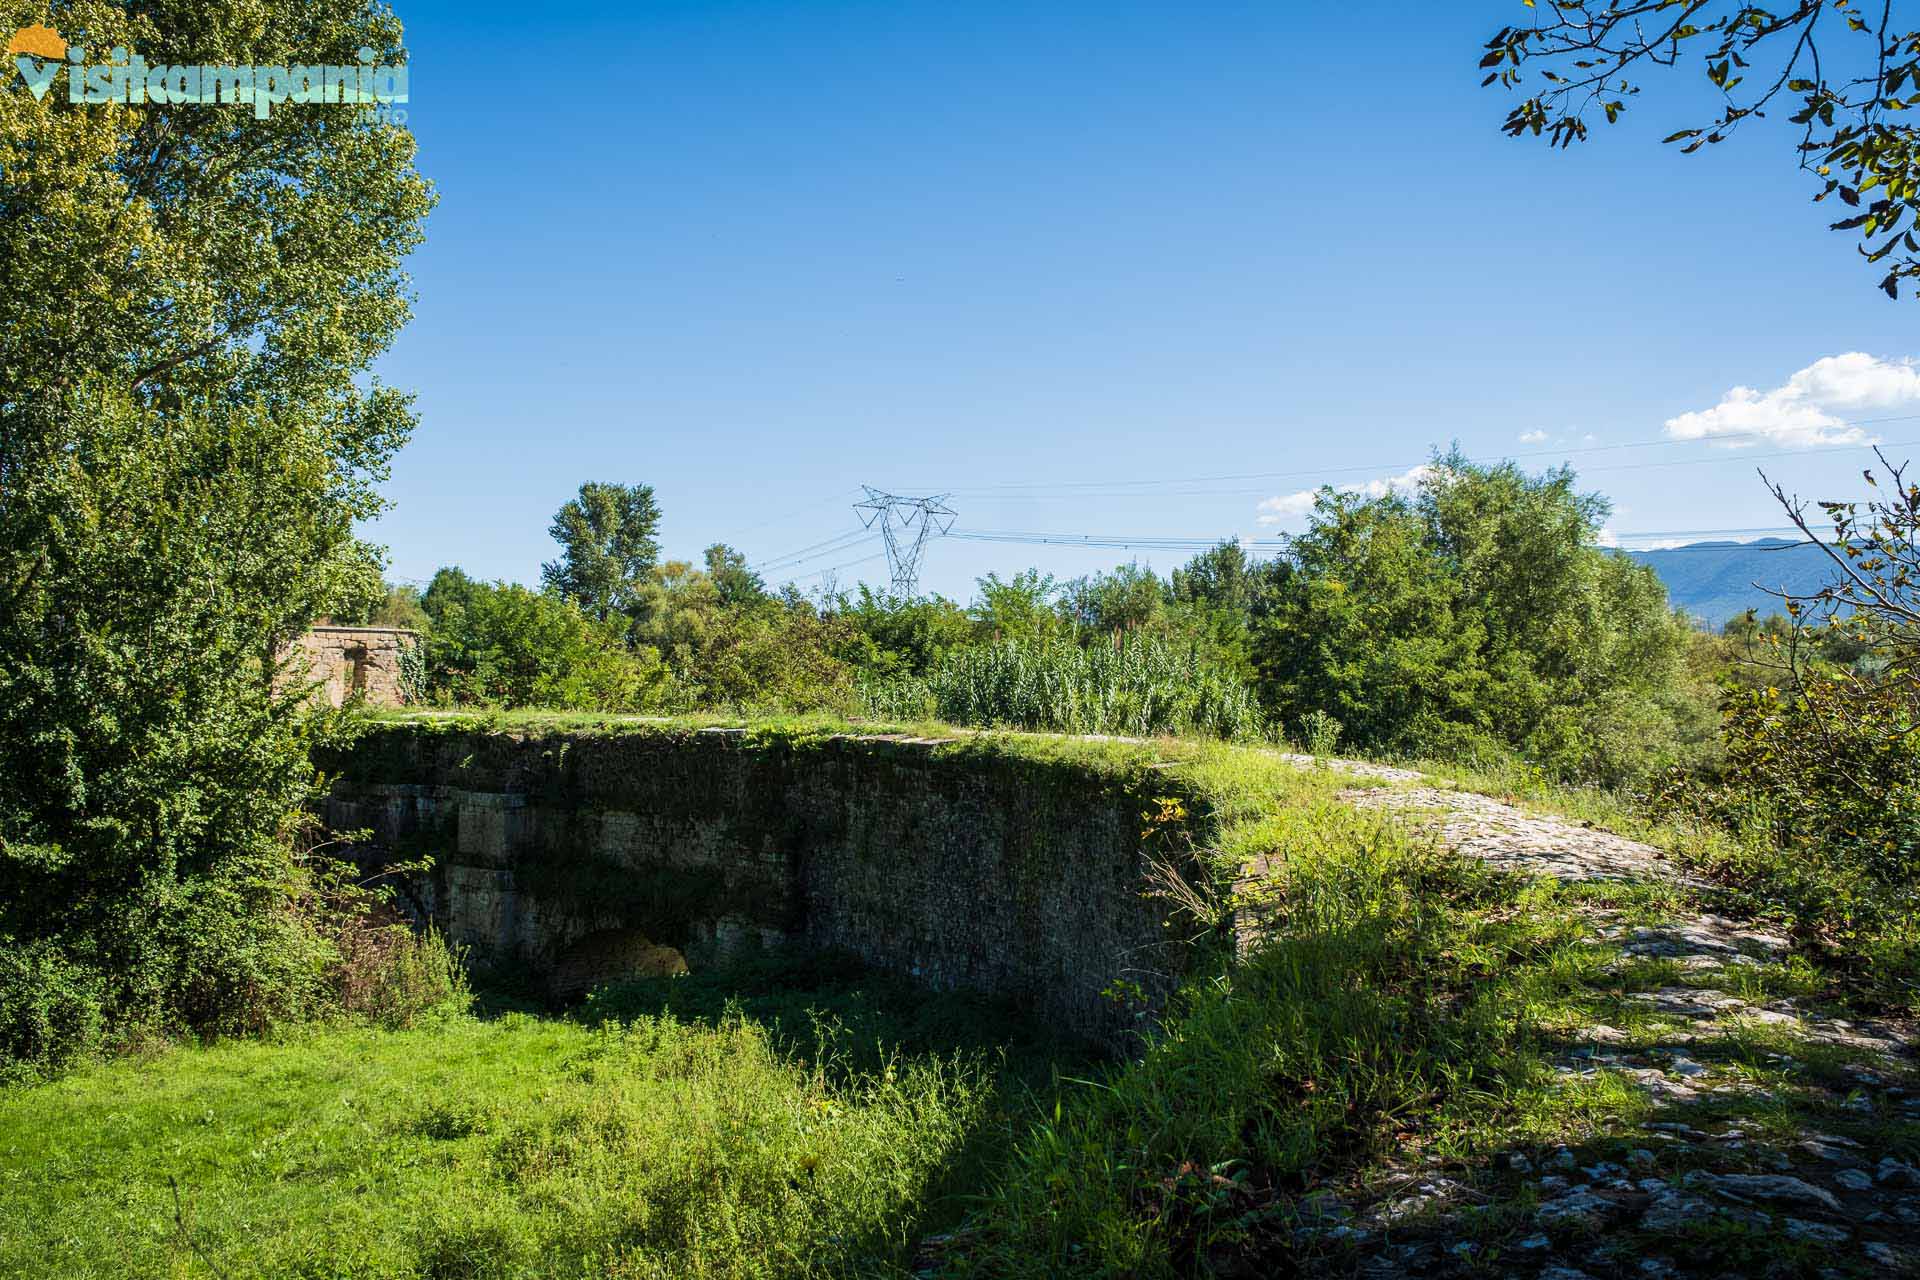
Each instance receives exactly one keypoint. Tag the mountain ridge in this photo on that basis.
(1715, 581)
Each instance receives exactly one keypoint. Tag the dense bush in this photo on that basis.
(732, 645)
(1478, 618)
(148, 768)
(1821, 785)
(499, 644)
(881, 636)
(52, 1010)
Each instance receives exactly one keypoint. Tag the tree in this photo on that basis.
(1482, 615)
(771, 653)
(1875, 550)
(737, 583)
(1847, 71)
(608, 538)
(1366, 631)
(1221, 597)
(400, 608)
(1836, 732)
(188, 435)
(1131, 598)
(398, 605)
(886, 635)
(1221, 577)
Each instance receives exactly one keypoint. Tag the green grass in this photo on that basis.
(1406, 1014)
(1111, 755)
(798, 1120)
(513, 1147)
(1353, 1038)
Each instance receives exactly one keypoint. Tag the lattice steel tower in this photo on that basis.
(906, 525)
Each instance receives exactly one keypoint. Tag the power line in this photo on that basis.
(815, 551)
(900, 553)
(834, 501)
(820, 573)
(1160, 542)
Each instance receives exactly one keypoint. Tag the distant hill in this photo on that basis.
(1715, 581)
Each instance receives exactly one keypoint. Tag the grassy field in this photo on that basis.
(804, 1118)
(511, 1146)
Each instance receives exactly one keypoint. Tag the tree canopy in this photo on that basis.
(1482, 614)
(609, 541)
(1844, 73)
(189, 432)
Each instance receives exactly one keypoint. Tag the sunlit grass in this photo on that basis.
(518, 1147)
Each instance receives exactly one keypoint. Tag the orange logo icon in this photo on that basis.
(40, 41)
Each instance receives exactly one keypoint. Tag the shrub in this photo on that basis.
(1822, 771)
(1827, 786)
(731, 645)
(149, 768)
(52, 1011)
(184, 457)
(1319, 733)
(503, 645)
(1480, 614)
(386, 974)
(1312, 1050)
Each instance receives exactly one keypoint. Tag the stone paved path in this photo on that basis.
(1518, 841)
(1721, 1150)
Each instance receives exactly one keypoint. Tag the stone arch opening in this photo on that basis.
(611, 955)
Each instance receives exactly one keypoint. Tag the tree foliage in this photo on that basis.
(1845, 72)
(497, 644)
(1482, 616)
(748, 652)
(1019, 608)
(1825, 744)
(609, 542)
(883, 636)
(188, 433)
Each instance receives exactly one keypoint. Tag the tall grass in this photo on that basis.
(1390, 1003)
(1132, 685)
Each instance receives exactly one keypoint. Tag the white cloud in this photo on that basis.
(1533, 437)
(1810, 409)
(1293, 506)
(1286, 507)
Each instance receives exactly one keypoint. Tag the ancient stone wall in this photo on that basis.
(354, 660)
(585, 856)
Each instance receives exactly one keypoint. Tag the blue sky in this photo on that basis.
(1056, 258)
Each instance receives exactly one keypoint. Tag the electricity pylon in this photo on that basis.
(899, 517)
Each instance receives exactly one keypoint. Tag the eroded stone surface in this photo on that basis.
(1522, 842)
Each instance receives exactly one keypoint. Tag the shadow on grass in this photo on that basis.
(832, 1010)
(857, 1025)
